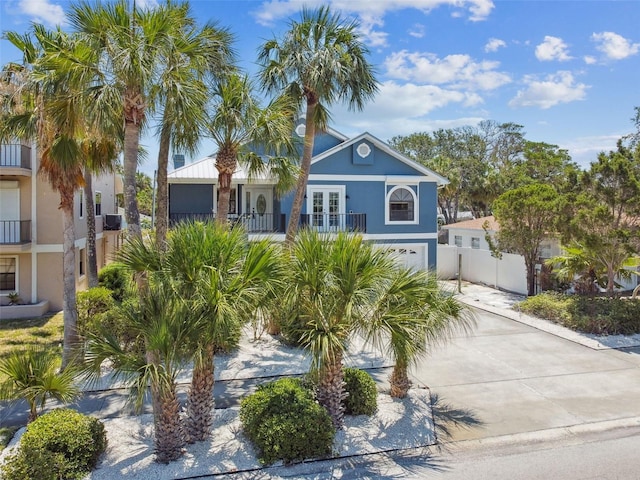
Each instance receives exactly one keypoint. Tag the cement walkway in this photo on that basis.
(525, 377)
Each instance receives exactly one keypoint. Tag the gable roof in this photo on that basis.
(439, 179)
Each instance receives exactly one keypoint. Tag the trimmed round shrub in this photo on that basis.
(60, 444)
(284, 422)
(362, 398)
(116, 278)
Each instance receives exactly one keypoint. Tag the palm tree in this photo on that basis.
(46, 108)
(332, 283)
(128, 47)
(320, 60)
(32, 374)
(183, 92)
(99, 155)
(224, 279)
(159, 322)
(240, 126)
(412, 314)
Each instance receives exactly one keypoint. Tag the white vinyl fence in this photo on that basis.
(478, 266)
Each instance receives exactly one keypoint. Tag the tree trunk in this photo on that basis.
(305, 167)
(70, 345)
(162, 195)
(131, 212)
(531, 277)
(200, 401)
(226, 163)
(169, 436)
(92, 258)
(331, 392)
(399, 380)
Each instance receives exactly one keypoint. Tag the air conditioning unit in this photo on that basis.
(112, 222)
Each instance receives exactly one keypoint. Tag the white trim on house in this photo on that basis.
(369, 178)
(433, 176)
(416, 203)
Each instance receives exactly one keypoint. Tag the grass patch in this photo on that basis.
(6, 434)
(46, 331)
(599, 315)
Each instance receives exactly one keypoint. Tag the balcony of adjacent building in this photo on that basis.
(15, 159)
(15, 236)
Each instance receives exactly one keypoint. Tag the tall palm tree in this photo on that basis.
(320, 60)
(333, 282)
(129, 48)
(46, 108)
(240, 126)
(411, 314)
(197, 55)
(224, 279)
(32, 374)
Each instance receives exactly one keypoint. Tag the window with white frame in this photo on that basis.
(402, 205)
(8, 269)
(98, 203)
(458, 240)
(475, 242)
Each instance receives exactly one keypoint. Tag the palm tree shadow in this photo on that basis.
(447, 418)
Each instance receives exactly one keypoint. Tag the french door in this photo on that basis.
(325, 206)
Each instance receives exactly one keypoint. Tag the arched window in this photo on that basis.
(402, 205)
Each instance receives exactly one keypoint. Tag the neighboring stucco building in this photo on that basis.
(31, 228)
(355, 184)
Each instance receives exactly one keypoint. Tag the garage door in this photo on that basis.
(414, 256)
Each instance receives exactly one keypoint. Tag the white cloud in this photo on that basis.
(417, 30)
(147, 4)
(457, 71)
(589, 60)
(370, 14)
(614, 46)
(43, 11)
(552, 48)
(494, 44)
(584, 150)
(554, 89)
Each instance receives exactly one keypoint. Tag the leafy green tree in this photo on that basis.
(32, 375)
(319, 60)
(238, 125)
(144, 193)
(604, 217)
(526, 216)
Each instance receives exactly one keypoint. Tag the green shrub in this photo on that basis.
(552, 306)
(94, 306)
(60, 444)
(284, 422)
(116, 278)
(598, 315)
(362, 398)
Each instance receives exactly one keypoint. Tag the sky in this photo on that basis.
(567, 71)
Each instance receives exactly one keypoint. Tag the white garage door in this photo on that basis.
(414, 256)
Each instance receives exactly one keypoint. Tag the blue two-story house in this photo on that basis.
(355, 184)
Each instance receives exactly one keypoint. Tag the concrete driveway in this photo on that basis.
(516, 379)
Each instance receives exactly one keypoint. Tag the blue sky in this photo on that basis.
(568, 71)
